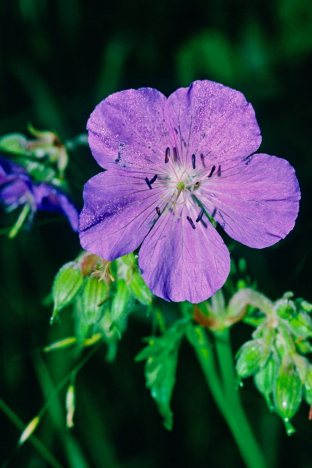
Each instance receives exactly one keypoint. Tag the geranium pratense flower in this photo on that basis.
(171, 166)
(18, 189)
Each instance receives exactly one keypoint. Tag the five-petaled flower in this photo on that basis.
(17, 189)
(174, 167)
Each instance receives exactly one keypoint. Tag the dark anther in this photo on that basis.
(153, 179)
(213, 214)
(199, 217)
(202, 157)
(219, 171)
(193, 160)
(191, 222)
(118, 159)
(167, 155)
(196, 185)
(212, 171)
(158, 210)
(175, 154)
(148, 183)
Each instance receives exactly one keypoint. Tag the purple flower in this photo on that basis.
(18, 189)
(172, 167)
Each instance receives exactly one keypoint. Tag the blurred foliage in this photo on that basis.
(58, 59)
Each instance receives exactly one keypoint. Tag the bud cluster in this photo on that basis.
(103, 294)
(275, 354)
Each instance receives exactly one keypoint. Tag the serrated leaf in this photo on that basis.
(162, 357)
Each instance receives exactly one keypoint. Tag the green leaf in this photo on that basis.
(67, 284)
(162, 357)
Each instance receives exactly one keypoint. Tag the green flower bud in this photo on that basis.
(287, 392)
(301, 325)
(122, 303)
(139, 289)
(249, 359)
(15, 143)
(265, 379)
(92, 298)
(308, 386)
(67, 284)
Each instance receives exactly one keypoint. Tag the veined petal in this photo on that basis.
(213, 122)
(255, 201)
(180, 263)
(118, 213)
(128, 130)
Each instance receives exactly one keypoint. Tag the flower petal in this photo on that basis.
(179, 263)
(213, 122)
(255, 201)
(128, 129)
(119, 211)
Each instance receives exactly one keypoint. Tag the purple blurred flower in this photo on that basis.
(18, 189)
(170, 163)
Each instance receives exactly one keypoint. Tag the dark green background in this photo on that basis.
(58, 59)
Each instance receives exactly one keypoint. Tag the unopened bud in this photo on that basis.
(29, 429)
(60, 344)
(265, 379)
(249, 359)
(66, 285)
(70, 406)
(92, 298)
(287, 392)
(308, 386)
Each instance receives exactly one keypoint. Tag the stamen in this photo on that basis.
(196, 185)
(199, 217)
(202, 159)
(167, 155)
(158, 210)
(212, 171)
(175, 154)
(148, 183)
(219, 171)
(153, 179)
(193, 160)
(191, 222)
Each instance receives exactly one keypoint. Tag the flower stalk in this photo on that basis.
(224, 392)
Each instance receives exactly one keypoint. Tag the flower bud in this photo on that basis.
(91, 299)
(29, 430)
(308, 386)
(122, 303)
(139, 289)
(66, 285)
(265, 379)
(301, 325)
(287, 392)
(249, 358)
(70, 406)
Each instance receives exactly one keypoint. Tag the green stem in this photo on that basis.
(226, 395)
(41, 448)
(20, 221)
